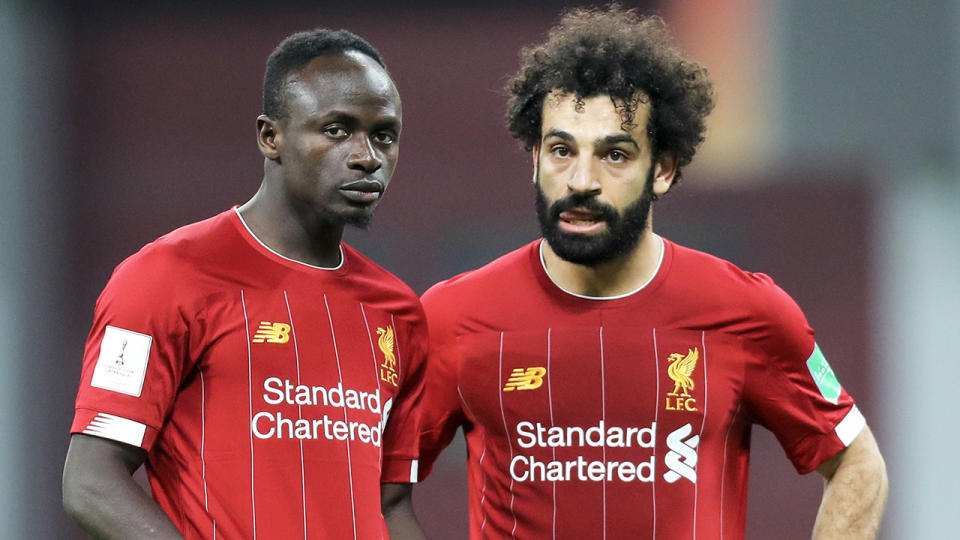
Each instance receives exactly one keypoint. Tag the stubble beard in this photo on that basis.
(622, 230)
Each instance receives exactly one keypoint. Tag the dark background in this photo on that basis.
(156, 129)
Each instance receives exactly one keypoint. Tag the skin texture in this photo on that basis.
(396, 502)
(585, 149)
(341, 130)
(855, 492)
(102, 496)
(325, 162)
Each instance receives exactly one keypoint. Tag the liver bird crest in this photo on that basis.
(681, 367)
(385, 342)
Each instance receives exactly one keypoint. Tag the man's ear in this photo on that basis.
(535, 153)
(269, 137)
(664, 172)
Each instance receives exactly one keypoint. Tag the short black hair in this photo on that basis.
(615, 52)
(296, 51)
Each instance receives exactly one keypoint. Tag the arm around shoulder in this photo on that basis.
(100, 494)
(855, 491)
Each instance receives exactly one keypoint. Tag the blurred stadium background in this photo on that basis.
(832, 164)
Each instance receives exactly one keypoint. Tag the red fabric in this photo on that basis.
(606, 362)
(202, 292)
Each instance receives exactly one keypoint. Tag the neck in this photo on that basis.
(295, 233)
(613, 278)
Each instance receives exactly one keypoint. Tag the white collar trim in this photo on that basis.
(617, 297)
(271, 250)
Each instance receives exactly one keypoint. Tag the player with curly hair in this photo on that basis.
(606, 378)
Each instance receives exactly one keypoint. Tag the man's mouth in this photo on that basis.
(580, 221)
(362, 191)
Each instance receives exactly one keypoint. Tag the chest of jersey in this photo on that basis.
(293, 367)
(629, 378)
(602, 419)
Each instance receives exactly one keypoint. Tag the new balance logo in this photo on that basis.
(682, 457)
(525, 379)
(272, 333)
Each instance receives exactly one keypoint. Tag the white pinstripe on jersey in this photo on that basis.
(603, 417)
(336, 353)
(656, 415)
(550, 402)
(703, 422)
(296, 352)
(246, 322)
(376, 372)
(506, 431)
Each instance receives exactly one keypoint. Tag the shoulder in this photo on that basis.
(168, 262)
(490, 289)
(717, 279)
(750, 303)
(503, 273)
(374, 284)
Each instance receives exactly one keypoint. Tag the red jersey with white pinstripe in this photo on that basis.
(623, 417)
(273, 397)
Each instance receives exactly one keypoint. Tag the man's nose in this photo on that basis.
(584, 177)
(363, 157)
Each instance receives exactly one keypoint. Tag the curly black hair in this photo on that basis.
(615, 52)
(296, 51)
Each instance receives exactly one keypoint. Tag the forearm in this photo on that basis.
(854, 495)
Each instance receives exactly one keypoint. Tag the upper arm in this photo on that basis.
(440, 411)
(135, 357)
(863, 451)
(789, 387)
(397, 505)
(95, 465)
(400, 444)
(395, 496)
(94, 456)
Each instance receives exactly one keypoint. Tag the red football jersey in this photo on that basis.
(260, 386)
(624, 417)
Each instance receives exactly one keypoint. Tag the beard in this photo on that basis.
(359, 217)
(620, 237)
(360, 220)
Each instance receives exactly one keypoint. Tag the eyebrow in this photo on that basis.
(609, 140)
(563, 135)
(337, 115)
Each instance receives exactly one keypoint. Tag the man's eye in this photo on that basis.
(560, 151)
(335, 131)
(385, 138)
(616, 156)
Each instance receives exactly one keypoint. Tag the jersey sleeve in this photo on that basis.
(135, 355)
(790, 388)
(400, 443)
(440, 413)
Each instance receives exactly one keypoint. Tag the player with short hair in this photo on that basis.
(605, 377)
(265, 372)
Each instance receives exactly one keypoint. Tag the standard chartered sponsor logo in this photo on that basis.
(682, 457)
(273, 424)
(525, 468)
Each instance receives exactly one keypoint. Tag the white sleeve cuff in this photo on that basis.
(851, 426)
(117, 428)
